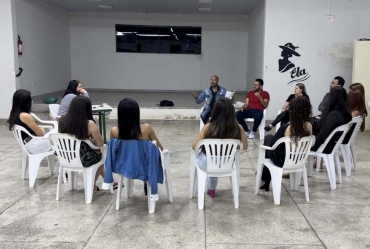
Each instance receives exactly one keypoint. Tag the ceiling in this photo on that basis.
(233, 7)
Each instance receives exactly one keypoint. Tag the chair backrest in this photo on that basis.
(296, 154)
(17, 131)
(67, 148)
(342, 128)
(357, 121)
(220, 153)
(53, 108)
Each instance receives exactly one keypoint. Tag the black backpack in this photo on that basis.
(166, 103)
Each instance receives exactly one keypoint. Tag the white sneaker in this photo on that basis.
(251, 135)
(246, 133)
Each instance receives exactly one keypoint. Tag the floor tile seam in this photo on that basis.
(265, 244)
(334, 204)
(322, 243)
(96, 227)
(41, 241)
(160, 129)
(31, 189)
(15, 152)
(359, 184)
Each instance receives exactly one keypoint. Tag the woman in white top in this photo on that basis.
(74, 89)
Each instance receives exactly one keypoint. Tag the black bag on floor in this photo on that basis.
(166, 103)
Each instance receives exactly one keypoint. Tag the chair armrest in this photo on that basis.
(92, 146)
(54, 123)
(165, 152)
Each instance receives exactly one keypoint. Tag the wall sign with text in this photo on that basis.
(286, 66)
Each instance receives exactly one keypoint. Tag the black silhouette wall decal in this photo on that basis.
(297, 74)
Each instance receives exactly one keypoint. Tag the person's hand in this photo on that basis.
(317, 117)
(83, 91)
(43, 130)
(257, 94)
(195, 95)
(98, 151)
(245, 106)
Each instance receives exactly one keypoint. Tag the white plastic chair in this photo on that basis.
(278, 124)
(261, 126)
(331, 160)
(67, 148)
(34, 160)
(295, 159)
(349, 149)
(129, 183)
(53, 108)
(224, 163)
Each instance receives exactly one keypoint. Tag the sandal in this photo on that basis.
(97, 189)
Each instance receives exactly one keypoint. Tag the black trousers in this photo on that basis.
(282, 117)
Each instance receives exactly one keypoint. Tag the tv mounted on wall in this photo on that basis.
(158, 39)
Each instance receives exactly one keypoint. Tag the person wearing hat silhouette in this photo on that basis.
(288, 51)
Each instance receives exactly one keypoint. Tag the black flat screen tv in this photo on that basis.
(158, 39)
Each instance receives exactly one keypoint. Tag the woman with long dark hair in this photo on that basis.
(129, 123)
(283, 117)
(74, 89)
(223, 125)
(80, 123)
(20, 115)
(335, 114)
(300, 110)
(360, 87)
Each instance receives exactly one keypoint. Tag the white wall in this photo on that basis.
(8, 58)
(96, 63)
(256, 43)
(44, 30)
(326, 47)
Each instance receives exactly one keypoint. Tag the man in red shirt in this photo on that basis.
(256, 101)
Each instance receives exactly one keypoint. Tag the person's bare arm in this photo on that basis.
(97, 139)
(243, 138)
(355, 114)
(264, 102)
(153, 137)
(30, 122)
(114, 132)
(199, 137)
(245, 106)
(285, 106)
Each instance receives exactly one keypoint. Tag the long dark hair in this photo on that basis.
(22, 102)
(75, 122)
(128, 119)
(337, 102)
(223, 124)
(356, 102)
(360, 87)
(300, 110)
(303, 88)
(72, 87)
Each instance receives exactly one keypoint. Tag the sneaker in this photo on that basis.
(246, 133)
(251, 135)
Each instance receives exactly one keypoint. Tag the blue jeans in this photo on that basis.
(257, 115)
(202, 163)
(206, 113)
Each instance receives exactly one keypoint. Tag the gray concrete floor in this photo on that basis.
(144, 99)
(32, 218)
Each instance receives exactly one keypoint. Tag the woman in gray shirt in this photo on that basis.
(74, 88)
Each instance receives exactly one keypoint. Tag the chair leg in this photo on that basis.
(310, 166)
(292, 180)
(330, 167)
(261, 156)
(337, 166)
(192, 174)
(89, 179)
(235, 186)
(72, 176)
(276, 179)
(51, 164)
(151, 203)
(119, 191)
(34, 164)
(346, 151)
(305, 184)
(168, 176)
(59, 182)
(24, 164)
(354, 155)
(318, 164)
(261, 131)
(202, 178)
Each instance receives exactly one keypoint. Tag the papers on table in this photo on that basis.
(229, 94)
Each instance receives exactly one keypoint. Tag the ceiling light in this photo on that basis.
(205, 1)
(103, 6)
(205, 9)
(194, 34)
(171, 30)
(151, 35)
(119, 33)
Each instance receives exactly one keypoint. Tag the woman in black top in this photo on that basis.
(300, 111)
(283, 117)
(335, 114)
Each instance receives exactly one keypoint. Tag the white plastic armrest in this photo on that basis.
(93, 146)
(165, 152)
(40, 138)
(54, 123)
